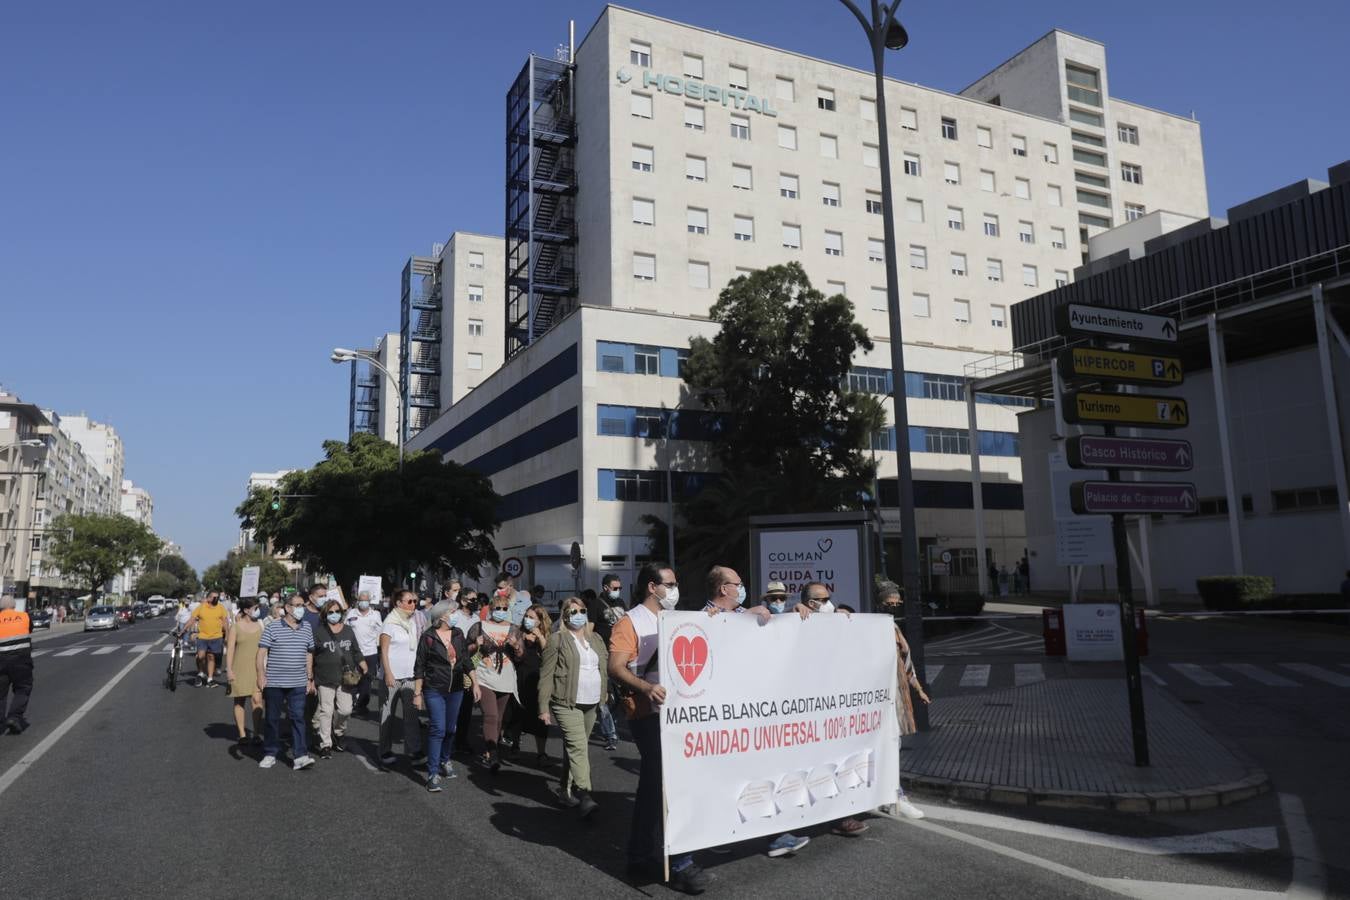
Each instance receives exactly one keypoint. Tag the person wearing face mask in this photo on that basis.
(398, 658)
(241, 669)
(366, 624)
(286, 676)
(465, 618)
(337, 661)
(607, 610)
(516, 601)
(726, 593)
(775, 597)
(442, 670)
(210, 621)
(498, 645)
(523, 717)
(634, 664)
(573, 684)
(314, 601)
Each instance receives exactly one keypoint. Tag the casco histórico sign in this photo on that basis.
(695, 89)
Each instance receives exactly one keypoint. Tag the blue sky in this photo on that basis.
(198, 201)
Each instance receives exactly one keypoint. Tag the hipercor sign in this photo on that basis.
(1118, 324)
(1115, 365)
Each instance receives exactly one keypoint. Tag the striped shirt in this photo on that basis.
(287, 648)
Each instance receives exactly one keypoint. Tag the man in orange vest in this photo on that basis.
(16, 664)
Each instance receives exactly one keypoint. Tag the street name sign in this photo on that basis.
(1156, 454)
(1126, 497)
(1115, 365)
(1144, 410)
(1116, 324)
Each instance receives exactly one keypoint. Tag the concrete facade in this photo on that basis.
(100, 443)
(472, 272)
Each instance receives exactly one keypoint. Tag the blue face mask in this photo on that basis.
(529, 624)
(500, 615)
(614, 595)
(740, 595)
(297, 613)
(335, 617)
(577, 620)
(776, 606)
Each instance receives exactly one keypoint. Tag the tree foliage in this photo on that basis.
(95, 548)
(791, 435)
(352, 513)
(180, 568)
(225, 575)
(164, 584)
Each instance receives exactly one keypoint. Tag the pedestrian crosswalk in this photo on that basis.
(990, 638)
(951, 678)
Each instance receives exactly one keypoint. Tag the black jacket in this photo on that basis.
(433, 664)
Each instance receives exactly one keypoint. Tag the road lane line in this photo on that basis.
(71, 652)
(1310, 877)
(1256, 673)
(1148, 673)
(104, 651)
(139, 648)
(975, 676)
(40, 652)
(1027, 673)
(933, 672)
(12, 775)
(1319, 673)
(1200, 675)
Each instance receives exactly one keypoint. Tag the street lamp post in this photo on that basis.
(884, 32)
(342, 355)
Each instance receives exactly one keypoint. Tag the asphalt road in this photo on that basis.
(142, 793)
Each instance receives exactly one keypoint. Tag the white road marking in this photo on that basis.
(932, 672)
(1200, 675)
(1241, 840)
(1148, 673)
(1027, 673)
(71, 652)
(1310, 876)
(139, 648)
(1256, 673)
(1319, 673)
(975, 676)
(104, 651)
(40, 652)
(367, 763)
(59, 732)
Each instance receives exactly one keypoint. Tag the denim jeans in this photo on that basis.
(443, 711)
(608, 730)
(293, 699)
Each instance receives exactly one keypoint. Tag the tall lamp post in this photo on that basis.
(343, 355)
(884, 32)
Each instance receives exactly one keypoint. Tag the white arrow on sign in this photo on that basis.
(1183, 455)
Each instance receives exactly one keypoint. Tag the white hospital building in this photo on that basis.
(662, 160)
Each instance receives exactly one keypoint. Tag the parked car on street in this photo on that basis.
(102, 618)
(126, 615)
(141, 610)
(42, 618)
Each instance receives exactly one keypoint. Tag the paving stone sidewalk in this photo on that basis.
(1066, 742)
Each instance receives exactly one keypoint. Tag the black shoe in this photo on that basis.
(568, 801)
(339, 745)
(689, 880)
(13, 726)
(325, 753)
(587, 804)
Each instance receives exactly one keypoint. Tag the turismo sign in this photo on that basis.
(1115, 365)
(1148, 411)
(694, 89)
(1120, 324)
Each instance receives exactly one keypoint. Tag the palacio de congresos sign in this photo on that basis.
(695, 89)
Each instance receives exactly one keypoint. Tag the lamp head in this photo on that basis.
(896, 36)
(342, 355)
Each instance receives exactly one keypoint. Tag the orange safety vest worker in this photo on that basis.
(15, 634)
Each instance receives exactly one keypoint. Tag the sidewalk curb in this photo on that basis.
(1193, 800)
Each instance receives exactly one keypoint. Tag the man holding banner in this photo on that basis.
(634, 665)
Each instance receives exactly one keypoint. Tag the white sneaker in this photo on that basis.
(267, 762)
(907, 809)
(304, 762)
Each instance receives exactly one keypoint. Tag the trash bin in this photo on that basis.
(1052, 628)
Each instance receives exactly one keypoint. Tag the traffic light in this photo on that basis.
(276, 498)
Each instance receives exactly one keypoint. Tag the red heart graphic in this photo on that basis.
(691, 655)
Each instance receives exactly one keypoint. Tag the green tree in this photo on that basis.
(225, 575)
(161, 583)
(179, 568)
(95, 548)
(790, 435)
(353, 514)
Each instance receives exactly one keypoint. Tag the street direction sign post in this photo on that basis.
(1143, 410)
(1133, 497)
(1117, 365)
(1112, 323)
(1153, 454)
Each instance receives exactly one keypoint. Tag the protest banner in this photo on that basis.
(248, 581)
(370, 584)
(769, 728)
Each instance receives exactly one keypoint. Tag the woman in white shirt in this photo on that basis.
(573, 680)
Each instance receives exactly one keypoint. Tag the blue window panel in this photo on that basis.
(885, 439)
(914, 384)
(613, 357)
(606, 484)
(546, 495)
(918, 439)
(615, 421)
(670, 362)
(998, 443)
(1004, 400)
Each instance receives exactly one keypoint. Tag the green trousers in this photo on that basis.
(576, 723)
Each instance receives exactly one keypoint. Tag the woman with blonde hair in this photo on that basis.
(536, 627)
(573, 681)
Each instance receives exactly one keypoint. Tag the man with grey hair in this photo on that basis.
(366, 623)
(16, 664)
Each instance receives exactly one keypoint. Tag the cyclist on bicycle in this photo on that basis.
(210, 618)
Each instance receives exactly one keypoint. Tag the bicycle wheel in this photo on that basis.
(174, 663)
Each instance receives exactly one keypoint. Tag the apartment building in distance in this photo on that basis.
(663, 160)
(372, 406)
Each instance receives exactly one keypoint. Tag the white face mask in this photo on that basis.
(827, 606)
(671, 599)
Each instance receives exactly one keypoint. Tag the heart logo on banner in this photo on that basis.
(825, 544)
(691, 655)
